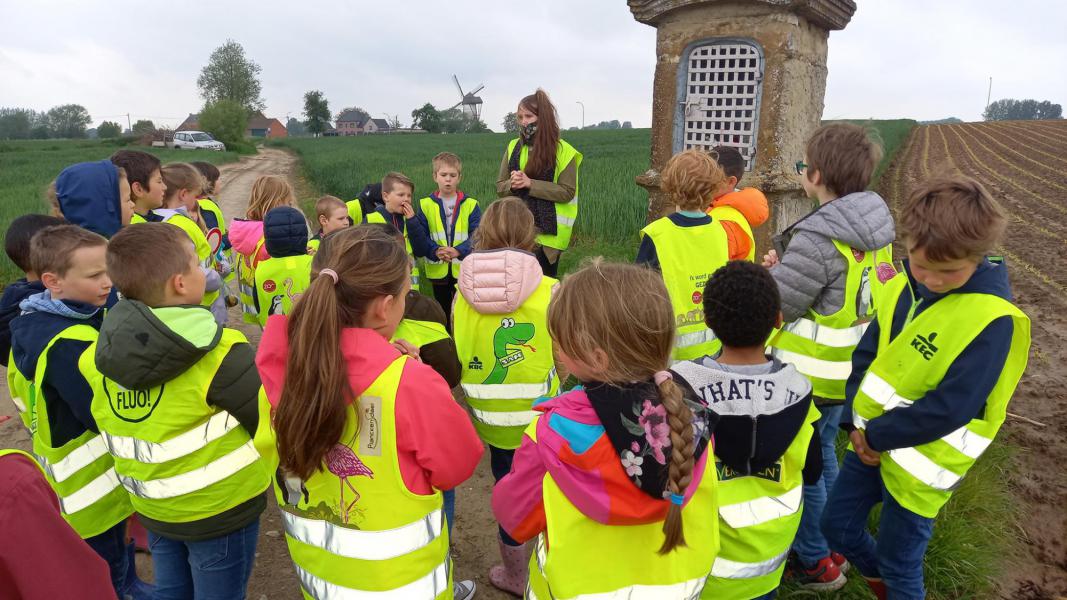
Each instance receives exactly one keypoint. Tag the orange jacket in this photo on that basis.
(751, 203)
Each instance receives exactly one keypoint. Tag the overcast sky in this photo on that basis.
(898, 58)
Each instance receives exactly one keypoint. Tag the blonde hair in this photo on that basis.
(269, 191)
(183, 176)
(624, 311)
(691, 178)
(447, 159)
(951, 218)
(327, 204)
(507, 223)
(393, 179)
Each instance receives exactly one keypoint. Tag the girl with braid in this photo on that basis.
(614, 479)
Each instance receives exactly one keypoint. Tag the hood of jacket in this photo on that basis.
(141, 347)
(244, 235)
(88, 195)
(861, 220)
(285, 231)
(499, 281)
(14, 294)
(759, 414)
(750, 202)
(42, 318)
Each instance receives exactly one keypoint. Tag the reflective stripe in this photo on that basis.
(504, 419)
(565, 221)
(432, 585)
(364, 545)
(505, 391)
(763, 509)
(882, 392)
(197, 479)
(968, 442)
(694, 338)
(824, 335)
(461, 236)
(78, 459)
(19, 404)
(924, 469)
(815, 367)
(731, 569)
(90, 493)
(178, 446)
(857, 421)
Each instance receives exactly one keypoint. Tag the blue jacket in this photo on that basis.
(88, 195)
(411, 228)
(427, 245)
(646, 254)
(285, 232)
(14, 293)
(67, 395)
(962, 394)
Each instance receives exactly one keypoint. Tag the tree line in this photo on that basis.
(1010, 109)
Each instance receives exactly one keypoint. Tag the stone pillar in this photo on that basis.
(792, 35)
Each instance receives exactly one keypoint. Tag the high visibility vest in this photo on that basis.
(203, 251)
(246, 283)
(80, 471)
(180, 458)
(376, 217)
(354, 529)
(821, 346)
(313, 245)
(507, 363)
(420, 333)
(688, 256)
(566, 212)
(136, 218)
(907, 367)
(731, 214)
(577, 558)
(214, 220)
(280, 280)
(759, 515)
(355, 211)
(446, 235)
(21, 390)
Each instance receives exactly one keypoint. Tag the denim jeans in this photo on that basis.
(771, 595)
(214, 569)
(449, 508)
(500, 464)
(810, 545)
(112, 546)
(897, 554)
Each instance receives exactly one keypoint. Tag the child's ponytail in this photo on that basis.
(680, 420)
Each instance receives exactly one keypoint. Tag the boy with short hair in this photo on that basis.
(448, 219)
(397, 192)
(17, 246)
(766, 445)
(830, 266)
(146, 182)
(740, 209)
(331, 213)
(175, 397)
(48, 340)
(930, 384)
(94, 195)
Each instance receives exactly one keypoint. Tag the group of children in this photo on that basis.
(695, 457)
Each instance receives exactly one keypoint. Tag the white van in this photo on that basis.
(195, 140)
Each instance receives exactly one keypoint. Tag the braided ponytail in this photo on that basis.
(680, 419)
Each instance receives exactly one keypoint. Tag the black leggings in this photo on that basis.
(547, 267)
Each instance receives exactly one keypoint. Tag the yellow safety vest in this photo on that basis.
(246, 283)
(507, 363)
(821, 346)
(21, 390)
(566, 212)
(420, 333)
(907, 367)
(376, 217)
(280, 280)
(731, 214)
(577, 558)
(80, 471)
(136, 218)
(180, 458)
(313, 246)
(355, 211)
(209, 207)
(203, 250)
(445, 236)
(688, 256)
(354, 529)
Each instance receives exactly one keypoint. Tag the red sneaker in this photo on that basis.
(841, 562)
(878, 587)
(823, 577)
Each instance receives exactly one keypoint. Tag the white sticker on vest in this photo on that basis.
(370, 426)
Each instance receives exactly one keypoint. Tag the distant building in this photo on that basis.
(377, 126)
(258, 126)
(350, 122)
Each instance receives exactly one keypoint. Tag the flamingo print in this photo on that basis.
(344, 463)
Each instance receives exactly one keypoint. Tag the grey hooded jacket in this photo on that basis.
(811, 272)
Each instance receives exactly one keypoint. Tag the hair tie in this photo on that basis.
(660, 376)
(331, 273)
(677, 499)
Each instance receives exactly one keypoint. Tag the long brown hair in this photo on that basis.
(311, 412)
(269, 191)
(624, 311)
(183, 176)
(507, 223)
(543, 152)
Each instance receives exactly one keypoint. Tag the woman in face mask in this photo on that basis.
(542, 170)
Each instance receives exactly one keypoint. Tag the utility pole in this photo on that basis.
(579, 103)
(989, 95)
(128, 125)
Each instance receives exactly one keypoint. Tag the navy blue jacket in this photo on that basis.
(88, 195)
(646, 254)
(285, 232)
(15, 292)
(411, 228)
(961, 395)
(427, 245)
(67, 394)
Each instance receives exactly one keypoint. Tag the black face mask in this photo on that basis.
(527, 131)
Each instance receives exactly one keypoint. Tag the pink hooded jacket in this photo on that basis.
(497, 282)
(244, 235)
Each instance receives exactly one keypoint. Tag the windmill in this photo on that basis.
(471, 104)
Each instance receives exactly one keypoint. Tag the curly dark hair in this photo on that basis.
(741, 304)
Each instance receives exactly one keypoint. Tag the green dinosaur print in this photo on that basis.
(509, 333)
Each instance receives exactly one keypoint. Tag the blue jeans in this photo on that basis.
(214, 569)
(112, 546)
(449, 508)
(771, 595)
(810, 545)
(897, 555)
(500, 464)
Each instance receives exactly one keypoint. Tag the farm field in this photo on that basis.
(1024, 165)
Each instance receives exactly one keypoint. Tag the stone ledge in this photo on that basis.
(828, 14)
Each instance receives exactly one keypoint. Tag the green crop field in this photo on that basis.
(27, 167)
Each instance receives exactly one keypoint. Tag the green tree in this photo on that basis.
(16, 123)
(230, 75)
(511, 123)
(143, 127)
(427, 118)
(69, 120)
(295, 127)
(317, 112)
(41, 126)
(226, 120)
(109, 129)
(1010, 109)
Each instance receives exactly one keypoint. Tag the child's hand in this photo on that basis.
(312, 250)
(770, 259)
(408, 211)
(449, 253)
(869, 457)
(519, 180)
(406, 347)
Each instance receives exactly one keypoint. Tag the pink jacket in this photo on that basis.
(244, 235)
(437, 444)
(497, 282)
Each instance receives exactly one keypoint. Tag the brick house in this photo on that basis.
(258, 126)
(377, 126)
(350, 123)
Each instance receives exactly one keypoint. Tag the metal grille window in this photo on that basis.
(723, 83)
